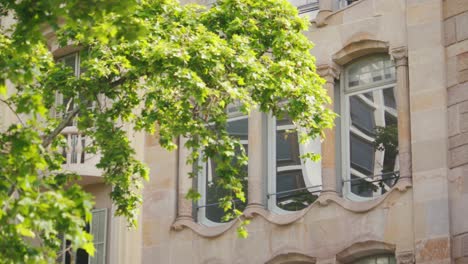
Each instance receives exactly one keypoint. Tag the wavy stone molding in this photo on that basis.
(290, 256)
(323, 200)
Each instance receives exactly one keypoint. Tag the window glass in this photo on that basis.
(370, 71)
(209, 204)
(383, 259)
(296, 184)
(372, 130)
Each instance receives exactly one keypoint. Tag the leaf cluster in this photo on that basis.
(150, 65)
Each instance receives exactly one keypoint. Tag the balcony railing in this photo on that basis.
(76, 157)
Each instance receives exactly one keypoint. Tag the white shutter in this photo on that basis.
(61, 253)
(98, 229)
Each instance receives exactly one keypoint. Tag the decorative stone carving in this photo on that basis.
(363, 249)
(292, 257)
(405, 258)
(400, 55)
(329, 72)
(358, 46)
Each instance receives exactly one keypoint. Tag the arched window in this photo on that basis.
(369, 127)
(293, 184)
(381, 259)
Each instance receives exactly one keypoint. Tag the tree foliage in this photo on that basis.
(166, 68)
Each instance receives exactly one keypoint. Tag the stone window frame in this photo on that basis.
(200, 182)
(345, 95)
(261, 141)
(359, 48)
(309, 168)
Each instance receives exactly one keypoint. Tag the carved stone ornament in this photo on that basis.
(405, 258)
(400, 55)
(329, 72)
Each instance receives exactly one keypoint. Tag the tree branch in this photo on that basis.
(48, 138)
(14, 112)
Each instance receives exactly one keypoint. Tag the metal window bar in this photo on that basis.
(214, 204)
(396, 175)
(295, 190)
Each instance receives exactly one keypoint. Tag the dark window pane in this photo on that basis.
(238, 128)
(389, 98)
(287, 149)
(362, 155)
(362, 115)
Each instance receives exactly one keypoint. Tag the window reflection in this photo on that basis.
(292, 191)
(373, 142)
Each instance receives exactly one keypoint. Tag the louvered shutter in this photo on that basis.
(99, 232)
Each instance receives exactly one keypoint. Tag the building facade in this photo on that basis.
(392, 184)
(395, 68)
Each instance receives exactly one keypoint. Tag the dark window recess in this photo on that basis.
(81, 256)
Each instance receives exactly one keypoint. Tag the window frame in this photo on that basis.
(202, 177)
(308, 168)
(62, 259)
(59, 96)
(346, 127)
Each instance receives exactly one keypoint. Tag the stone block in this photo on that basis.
(434, 250)
(429, 154)
(451, 70)
(429, 125)
(462, 26)
(458, 140)
(459, 156)
(426, 35)
(463, 107)
(453, 120)
(450, 31)
(462, 61)
(458, 94)
(454, 7)
(423, 12)
(464, 122)
(462, 76)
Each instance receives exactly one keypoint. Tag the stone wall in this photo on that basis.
(456, 52)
